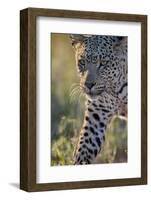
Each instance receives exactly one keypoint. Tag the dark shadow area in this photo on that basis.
(16, 185)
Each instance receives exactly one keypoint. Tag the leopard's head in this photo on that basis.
(96, 61)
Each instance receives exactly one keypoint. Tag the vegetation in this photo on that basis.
(67, 113)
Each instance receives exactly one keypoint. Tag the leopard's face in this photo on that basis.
(97, 62)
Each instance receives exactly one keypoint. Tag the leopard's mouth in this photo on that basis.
(94, 93)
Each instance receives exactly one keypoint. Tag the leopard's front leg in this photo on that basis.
(92, 136)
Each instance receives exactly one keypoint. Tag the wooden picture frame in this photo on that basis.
(28, 98)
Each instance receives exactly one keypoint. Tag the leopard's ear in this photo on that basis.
(120, 38)
(120, 42)
(76, 39)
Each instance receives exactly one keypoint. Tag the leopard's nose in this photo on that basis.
(89, 85)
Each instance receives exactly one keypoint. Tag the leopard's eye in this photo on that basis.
(81, 62)
(81, 65)
(103, 62)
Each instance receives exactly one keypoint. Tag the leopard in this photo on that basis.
(102, 65)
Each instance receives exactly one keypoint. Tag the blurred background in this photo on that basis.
(67, 111)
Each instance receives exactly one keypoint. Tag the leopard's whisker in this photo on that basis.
(74, 85)
(74, 98)
(74, 94)
(75, 88)
(80, 97)
(82, 94)
(73, 91)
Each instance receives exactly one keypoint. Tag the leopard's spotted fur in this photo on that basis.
(102, 65)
